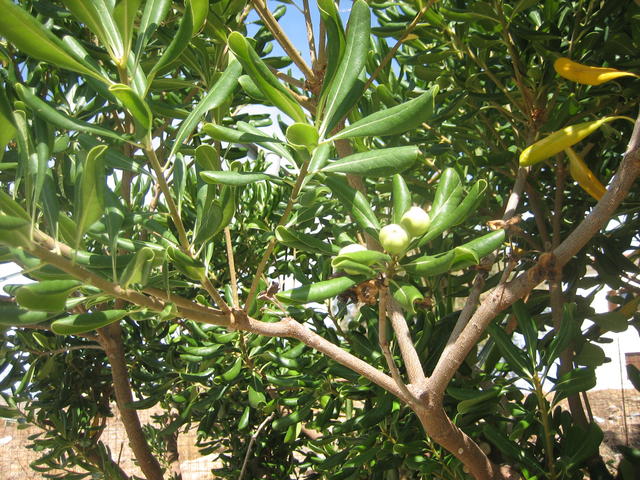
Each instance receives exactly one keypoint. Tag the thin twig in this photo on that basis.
(384, 343)
(232, 267)
(281, 37)
(253, 439)
(272, 243)
(310, 36)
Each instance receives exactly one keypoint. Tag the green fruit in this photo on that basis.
(415, 221)
(394, 239)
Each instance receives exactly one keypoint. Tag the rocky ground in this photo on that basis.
(606, 407)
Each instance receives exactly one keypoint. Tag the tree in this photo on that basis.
(140, 196)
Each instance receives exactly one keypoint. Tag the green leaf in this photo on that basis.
(430, 265)
(256, 399)
(190, 267)
(46, 296)
(135, 105)
(14, 231)
(569, 330)
(207, 158)
(266, 81)
(336, 40)
(573, 382)
(12, 315)
(384, 162)
(96, 15)
(319, 157)
(12, 208)
(351, 64)
(112, 157)
(304, 241)
(517, 360)
(273, 145)
(528, 327)
(155, 11)
(302, 135)
(216, 96)
(59, 119)
(401, 197)
(138, 268)
(124, 15)
(179, 42)
(317, 292)
(394, 120)
(580, 443)
(509, 448)
(406, 295)
(92, 190)
(468, 406)
(634, 375)
(471, 252)
(355, 203)
(447, 198)
(225, 134)
(236, 179)
(590, 355)
(29, 36)
(85, 322)
(7, 127)
(200, 9)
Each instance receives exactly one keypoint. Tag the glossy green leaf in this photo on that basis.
(355, 203)
(243, 422)
(7, 128)
(516, 358)
(11, 314)
(406, 295)
(233, 372)
(569, 330)
(256, 399)
(200, 9)
(351, 64)
(447, 198)
(85, 322)
(216, 96)
(394, 120)
(92, 190)
(135, 105)
(508, 447)
(384, 162)
(112, 157)
(468, 406)
(431, 265)
(472, 252)
(317, 292)
(124, 15)
(275, 145)
(97, 15)
(12, 208)
(336, 41)
(590, 355)
(236, 179)
(179, 42)
(28, 35)
(573, 382)
(250, 88)
(225, 134)
(302, 135)
(138, 268)
(304, 241)
(46, 296)
(401, 197)
(207, 158)
(528, 327)
(581, 443)
(155, 11)
(319, 157)
(266, 81)
(351, 267)
(190, 267)
(59, 119)
(14, 231)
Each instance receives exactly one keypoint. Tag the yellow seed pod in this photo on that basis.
(584, 176)
(577, 72)
(561, 139)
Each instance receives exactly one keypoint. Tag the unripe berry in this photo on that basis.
(415, 221)
(394, 239)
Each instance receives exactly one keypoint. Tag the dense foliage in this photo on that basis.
(173, 234)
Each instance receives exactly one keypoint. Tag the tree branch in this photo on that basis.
(505, 295)
(405, 342)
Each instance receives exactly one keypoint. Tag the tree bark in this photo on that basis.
(111, 340)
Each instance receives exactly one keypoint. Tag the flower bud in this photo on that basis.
(394, 239)
(415, 221)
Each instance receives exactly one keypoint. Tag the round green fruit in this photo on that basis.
(394, 239)
(415, 221)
